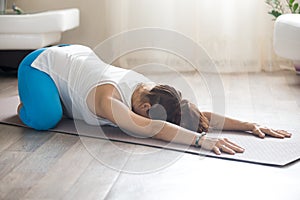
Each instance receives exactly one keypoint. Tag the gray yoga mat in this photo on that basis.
(268, 151)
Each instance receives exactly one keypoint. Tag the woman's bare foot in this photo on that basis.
(19, 108)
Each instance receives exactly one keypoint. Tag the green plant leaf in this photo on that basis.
(275, 13)
(295, 7)
(291, 4)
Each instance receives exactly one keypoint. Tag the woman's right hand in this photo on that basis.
(220, 145)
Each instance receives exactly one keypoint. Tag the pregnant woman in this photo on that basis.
(72, 80)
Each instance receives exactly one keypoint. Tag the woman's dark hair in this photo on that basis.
(167, 104)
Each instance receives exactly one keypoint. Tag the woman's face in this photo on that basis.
(141, 109)
(138, 106)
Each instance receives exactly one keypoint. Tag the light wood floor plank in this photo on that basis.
(17, 183)
(9, 135)
(25, 143)
(62, 175)
(9, 160)
(103, 172)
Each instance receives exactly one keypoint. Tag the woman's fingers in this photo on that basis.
(216, 150)
(262, 131)
(258, 132)
(275, 133)
(226, 146)
(285, 133)
(234, 146)
(272, 133)
(226, 149)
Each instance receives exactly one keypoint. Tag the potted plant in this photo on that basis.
(278, 7)
(287, 24)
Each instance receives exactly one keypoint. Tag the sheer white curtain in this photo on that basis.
(237, 34)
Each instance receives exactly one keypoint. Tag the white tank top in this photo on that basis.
(76, 70)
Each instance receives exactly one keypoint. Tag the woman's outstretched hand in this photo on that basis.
(262, 131)
(220, 145)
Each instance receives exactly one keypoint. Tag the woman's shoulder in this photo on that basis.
(106, 90)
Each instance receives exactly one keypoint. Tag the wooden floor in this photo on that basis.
(46, 165)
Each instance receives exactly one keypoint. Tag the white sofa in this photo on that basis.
(287, 38)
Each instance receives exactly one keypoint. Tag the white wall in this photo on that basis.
(92, 18)
(237, 34)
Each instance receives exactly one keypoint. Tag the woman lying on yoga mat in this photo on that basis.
(74, 78)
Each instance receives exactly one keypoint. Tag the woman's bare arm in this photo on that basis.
(115, 111)
(225, 123)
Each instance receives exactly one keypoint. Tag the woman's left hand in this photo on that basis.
(262, 131)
